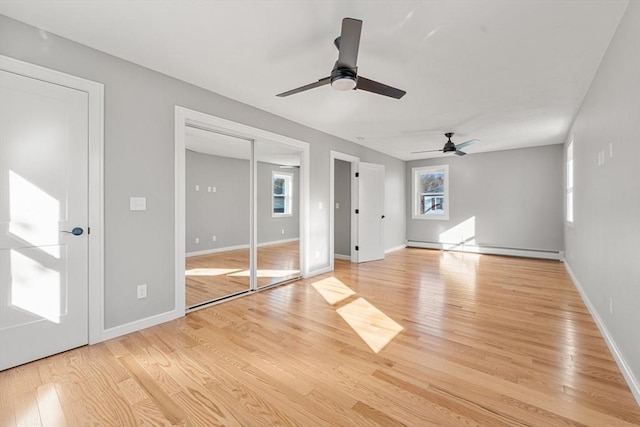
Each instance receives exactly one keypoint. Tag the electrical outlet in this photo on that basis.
(283, 231)
(213, 238)
(197, 240)
(142, 291)
(337, 205)
(209, 189)
(197, 187)
(213, 189)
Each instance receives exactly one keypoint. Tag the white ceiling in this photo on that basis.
(510, 73)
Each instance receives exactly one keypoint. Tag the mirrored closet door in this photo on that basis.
(277, 213)
(217, 215)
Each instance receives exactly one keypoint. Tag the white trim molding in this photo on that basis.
(627, 373)
(488, 250)
(395, 248)
(95, 93)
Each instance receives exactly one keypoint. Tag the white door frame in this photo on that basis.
(355, 161)
(184, 115)
(95, 92)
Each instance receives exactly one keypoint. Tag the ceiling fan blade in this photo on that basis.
(460, 153)
(349, 42)
(321, 82)
(379, 88)
(467, 143)
(425, 151)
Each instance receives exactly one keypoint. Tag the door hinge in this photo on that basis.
(357, 174)
(357, 211)
(357, 248)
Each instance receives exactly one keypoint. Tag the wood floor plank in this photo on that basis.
(49, 406)
(484, 340)
(174, 413)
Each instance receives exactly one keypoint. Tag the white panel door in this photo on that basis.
(371, 212)
(43, 194)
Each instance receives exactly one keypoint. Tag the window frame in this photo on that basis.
(287, 194)
(415, 196)
(569, 195)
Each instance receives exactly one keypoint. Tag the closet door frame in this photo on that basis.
(184, 116)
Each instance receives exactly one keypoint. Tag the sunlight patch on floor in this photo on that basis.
(374, 327)
(333, 290)
(210, 271)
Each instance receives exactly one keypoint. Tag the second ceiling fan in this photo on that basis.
(450, 147)
(344, 75)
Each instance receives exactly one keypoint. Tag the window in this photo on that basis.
(569, 189)
(282, 194)
(430, 192)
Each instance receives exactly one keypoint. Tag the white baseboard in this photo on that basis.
(318, 272)
(233, 248)
(489, 250)
(216, 250)
(278, 242)
(138, 325)
(395, 248)
(342, 257)
(632, 382)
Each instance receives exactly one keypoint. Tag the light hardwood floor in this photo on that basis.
(421, 338)
(224, 273)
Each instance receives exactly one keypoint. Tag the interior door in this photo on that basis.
(370, 212)
(43, 219)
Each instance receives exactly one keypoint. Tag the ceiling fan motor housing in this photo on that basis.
(343, 78)
(449, 147)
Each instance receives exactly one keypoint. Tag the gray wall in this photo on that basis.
(342, 216)
(139, 161)
(603, 246)
(270, 228)
(224, 213)
(515, 196)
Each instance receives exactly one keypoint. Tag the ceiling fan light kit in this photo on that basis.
(344, 75)
(343, 82)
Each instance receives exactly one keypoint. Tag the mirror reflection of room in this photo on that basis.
(278, 213)
(218, 222)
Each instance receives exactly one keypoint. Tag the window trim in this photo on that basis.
(415, 173)
(288, 194)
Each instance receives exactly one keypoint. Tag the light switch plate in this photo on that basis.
(138, 203)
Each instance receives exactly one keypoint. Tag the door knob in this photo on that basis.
(77, 231)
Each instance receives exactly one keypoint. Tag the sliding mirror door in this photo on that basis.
(217, 215)
(277, 213)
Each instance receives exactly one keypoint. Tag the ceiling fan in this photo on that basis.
(450, 147)
(344, 75)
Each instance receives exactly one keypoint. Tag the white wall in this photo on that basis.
(514, 197)
(603, 246)
(139, 161)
